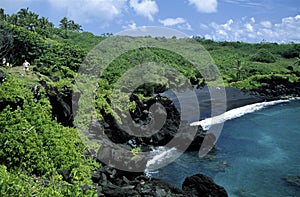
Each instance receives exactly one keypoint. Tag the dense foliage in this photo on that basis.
(35, 146)
(240, 62)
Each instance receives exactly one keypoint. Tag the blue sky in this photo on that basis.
(231, 20)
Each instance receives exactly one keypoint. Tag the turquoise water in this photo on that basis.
(254, 154)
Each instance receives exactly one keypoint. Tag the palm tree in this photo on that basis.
(238, 69)
(22, 16)
(67, 25)
(44, 23)
(64, 23)
(74, 26)
(13, 19)
(3, 16)
(6, 40)
(44, 27)
(32, 21)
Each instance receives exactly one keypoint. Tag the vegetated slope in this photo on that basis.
(251, 66)
(39, 156)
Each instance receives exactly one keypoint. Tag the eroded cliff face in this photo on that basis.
(278, 87)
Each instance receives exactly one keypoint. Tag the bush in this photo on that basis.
(291, 51)
(35, 146)
(263, 55)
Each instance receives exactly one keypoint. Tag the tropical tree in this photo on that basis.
(32, 21)
(64, 25)
(44, 27)
(69, 25)
(238, 69)
(74, 26)
(22, 16)
(13, 19)
(3, 16)
(6, 40)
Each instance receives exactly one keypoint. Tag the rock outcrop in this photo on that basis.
(201, 185)
(277, 87)
(160, 118)
(111, 182)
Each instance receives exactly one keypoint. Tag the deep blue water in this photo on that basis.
(254, 154)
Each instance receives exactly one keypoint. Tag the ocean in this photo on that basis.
(257, 153)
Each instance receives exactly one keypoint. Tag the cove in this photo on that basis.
(256, 155)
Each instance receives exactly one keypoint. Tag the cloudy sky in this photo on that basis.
(231, 20)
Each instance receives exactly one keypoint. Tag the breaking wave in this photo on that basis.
(235, 113)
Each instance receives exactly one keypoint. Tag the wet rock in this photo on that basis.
(201, 185)
(159, 122)
(61, 102)
(293, 180)
(123, 183)
(66, 175)
(277, 87)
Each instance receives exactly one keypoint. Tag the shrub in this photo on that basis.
(35, 146)
(263, 55)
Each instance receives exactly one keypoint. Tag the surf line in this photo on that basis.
(236, 113)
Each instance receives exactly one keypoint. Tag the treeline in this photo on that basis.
(242, 64)
(26, 35)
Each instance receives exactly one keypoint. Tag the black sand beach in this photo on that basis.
(227, 99)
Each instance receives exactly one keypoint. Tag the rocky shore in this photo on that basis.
(114, 182)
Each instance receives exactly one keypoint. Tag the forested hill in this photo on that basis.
(38, 140)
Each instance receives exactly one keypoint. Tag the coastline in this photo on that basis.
(236, 98)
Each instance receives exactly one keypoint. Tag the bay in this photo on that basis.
(255, 155)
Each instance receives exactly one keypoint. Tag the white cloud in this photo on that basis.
(205, 6)
(204, 26)
(179, 22)
(87, 10)
(249, 27)
(185, 26)
(172, 21)
(145, 8)
(246, 3)
(250, 31)
(266, 24)
(227, 25)
(131, 25)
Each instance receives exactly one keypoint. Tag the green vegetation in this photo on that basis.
(242, 63)
(35, 146)
(263, 55)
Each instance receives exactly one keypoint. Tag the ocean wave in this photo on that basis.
(161, 156)
(235, 113)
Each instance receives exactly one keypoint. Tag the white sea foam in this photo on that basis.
(235, 113)
(161, 156)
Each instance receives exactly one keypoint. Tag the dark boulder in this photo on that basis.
(293, 181)
(159, 121)
(114, 183)
(61, 102)
(277, 87)
(201, 185)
